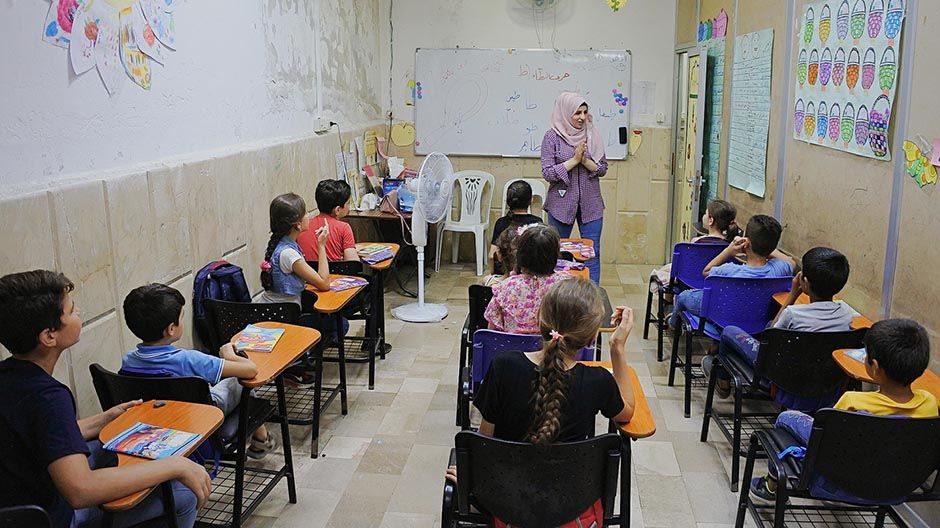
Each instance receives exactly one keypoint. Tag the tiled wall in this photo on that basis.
(635, 191)
(111, 233)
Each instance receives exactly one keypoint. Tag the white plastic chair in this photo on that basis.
(474, 215)
(538, 189)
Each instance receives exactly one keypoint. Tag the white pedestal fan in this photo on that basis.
(433, 188)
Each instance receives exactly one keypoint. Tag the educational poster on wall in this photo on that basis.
(750, 111)
(846, 75)
(714, 93)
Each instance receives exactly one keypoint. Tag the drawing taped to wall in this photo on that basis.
(918, 165)
(96, 35)
(849, 81)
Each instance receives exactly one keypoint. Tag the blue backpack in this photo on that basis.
(219, 280)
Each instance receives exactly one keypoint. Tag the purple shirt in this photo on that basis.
(568, 191)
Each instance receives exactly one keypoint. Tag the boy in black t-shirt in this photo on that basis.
(50, 458)
(518, 201)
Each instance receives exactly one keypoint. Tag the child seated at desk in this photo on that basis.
(154, 313)
(50, 458)
(504, 259)
(759, 243)
(515, 302)
(898, 352)
(518, 201)
(825, 272)
(333, 200)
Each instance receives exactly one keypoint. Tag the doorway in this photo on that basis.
(688, 139)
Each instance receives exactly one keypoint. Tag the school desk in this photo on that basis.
(928, 381)
(582, 273)
(642, 425)
(379, 270)
(380, 221)
(858, 322)
(333, 302)
(295, 341)
(577, 254)
(190, 417)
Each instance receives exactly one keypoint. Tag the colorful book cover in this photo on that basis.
(567, 265)
(151, 441)
(346, 283)
(257, 339)
(372, 249)
(858, 354)
(377, 257)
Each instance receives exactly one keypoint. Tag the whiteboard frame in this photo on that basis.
(629, 53)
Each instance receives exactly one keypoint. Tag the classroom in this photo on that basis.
(390, 263)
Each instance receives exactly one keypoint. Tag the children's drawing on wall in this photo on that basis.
(919, 165)
(713, 28)
(97, 36)
(403, 134)
(863, 56)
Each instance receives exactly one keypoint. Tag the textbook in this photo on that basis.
(585, 250)
(858, 354)
(151, 441)
(567, 265)
(257, 339)
(372, 249)
(346, 283)
(376, 257)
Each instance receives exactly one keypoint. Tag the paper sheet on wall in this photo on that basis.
(750, 111)
(643, 97)
(846, 79)
(714, 85)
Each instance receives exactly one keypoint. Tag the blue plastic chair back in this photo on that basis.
(742, 302)
(688, 261)
(488, 343)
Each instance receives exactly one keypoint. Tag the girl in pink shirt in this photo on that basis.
(515, 303)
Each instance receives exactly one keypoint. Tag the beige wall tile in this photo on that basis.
(84, 245)
(609, 237)
(633, 195)
(26, 218)
(657, 223)
(204, 221)
(632, 237)
(100, 343)
(132, 231)
(185, 286)
(661, 153)
(170, 204)
(233, 197)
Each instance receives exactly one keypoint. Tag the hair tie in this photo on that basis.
(521, 229)
(265, 265)
(556, 336)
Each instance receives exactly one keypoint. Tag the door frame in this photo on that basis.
(690, 48)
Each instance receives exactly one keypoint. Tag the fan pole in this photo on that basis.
(420, 276)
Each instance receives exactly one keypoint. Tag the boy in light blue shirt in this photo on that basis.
(759, 243)
(154, 314)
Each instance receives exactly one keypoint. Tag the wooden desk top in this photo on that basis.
(385, 264)
(929, 381)
(582, 273)
(859, 322)
(330, 301)
(577, 254)
(642, 424)
(295, 341)
(376, 214)
(190, 417)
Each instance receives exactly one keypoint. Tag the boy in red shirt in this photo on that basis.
(332, 198)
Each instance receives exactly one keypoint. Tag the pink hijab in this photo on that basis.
(566, 105)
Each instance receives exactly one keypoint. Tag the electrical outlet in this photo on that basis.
(321, 125)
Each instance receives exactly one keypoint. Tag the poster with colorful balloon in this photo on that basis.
(846, 74)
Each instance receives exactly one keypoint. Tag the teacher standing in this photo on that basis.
(572, 161)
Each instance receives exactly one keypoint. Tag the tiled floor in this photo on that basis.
(382, 464)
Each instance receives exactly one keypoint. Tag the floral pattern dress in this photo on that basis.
(514, 307)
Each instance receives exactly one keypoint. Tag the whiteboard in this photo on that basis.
(499, 101)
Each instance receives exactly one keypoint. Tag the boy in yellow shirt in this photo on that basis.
(898, 351)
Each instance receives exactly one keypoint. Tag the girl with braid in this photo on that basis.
(284, 272)
(546, 396)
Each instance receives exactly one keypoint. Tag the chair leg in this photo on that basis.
(687, 409)
(341, 353)
(317, 394)
(748, 473)
(660, 326)
(455, 246)
(780, 506)
(240, 455)
(285, 439)
(649, 311)
(169, 505)
(481, 250)
(674, 359)
(709, 401)
(880, 517)
(736, 435)
(626, 456)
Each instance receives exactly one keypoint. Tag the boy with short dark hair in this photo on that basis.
(50, 458)
(518, 201)
(154, 314)
(333, 201)
(898, 352)
(825, 272)
(759, 244)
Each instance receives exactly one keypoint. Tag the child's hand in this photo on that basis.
(121, 408)
(623, 320)
(227, 351)
(739, 244)
(797, 287)
(323, 233)
(451, 474)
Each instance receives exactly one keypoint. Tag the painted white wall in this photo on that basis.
(243, 72)
(647, 28)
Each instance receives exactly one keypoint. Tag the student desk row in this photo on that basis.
(378, 219)
(205, 419)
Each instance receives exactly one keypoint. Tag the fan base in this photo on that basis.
(416, 313)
